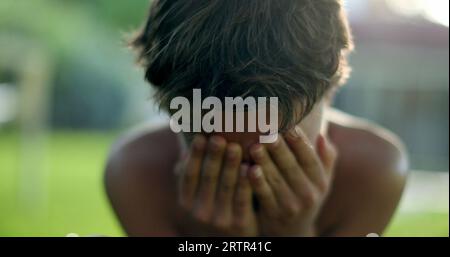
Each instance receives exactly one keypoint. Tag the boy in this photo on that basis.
(327, 174)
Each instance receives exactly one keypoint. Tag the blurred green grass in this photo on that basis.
(75, 201)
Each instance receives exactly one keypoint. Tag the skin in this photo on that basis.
(331, 175)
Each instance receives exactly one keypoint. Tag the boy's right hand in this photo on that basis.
(213, 188)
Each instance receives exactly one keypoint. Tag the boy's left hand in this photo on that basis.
(291, 181)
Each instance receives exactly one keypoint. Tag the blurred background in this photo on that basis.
(69, 87)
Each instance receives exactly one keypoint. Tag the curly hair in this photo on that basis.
(291, 49)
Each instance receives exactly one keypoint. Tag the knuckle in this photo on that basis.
(322, 185)
(309, 199)
(311, 164)
(291, 165)
(292, 210)
(276, 181)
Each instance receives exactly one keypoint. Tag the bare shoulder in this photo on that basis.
(145, 145)
(366, 144)
(138, 180)
(370, 174)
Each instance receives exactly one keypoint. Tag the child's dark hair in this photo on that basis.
(293, 49)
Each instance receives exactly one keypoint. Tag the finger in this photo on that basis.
(243, 201)
(263, 191)
(227, 183)
(243, 196)
(190, 171)
(306, 155)
(287, 163)
(327, 153)
(280, 188)
(209, 175)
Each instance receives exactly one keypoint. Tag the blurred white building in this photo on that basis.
(400, 74)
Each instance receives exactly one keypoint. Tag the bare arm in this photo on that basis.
(370, 178)
(374, 199)
(138, 186)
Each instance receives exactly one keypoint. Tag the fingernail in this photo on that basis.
(258, 172)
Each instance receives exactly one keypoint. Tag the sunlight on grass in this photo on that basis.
(419, 224)
(75, 201)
